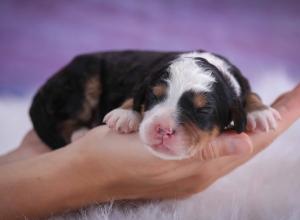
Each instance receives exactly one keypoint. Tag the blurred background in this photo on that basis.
(38, 37)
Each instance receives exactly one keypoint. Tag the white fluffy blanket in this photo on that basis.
(268, 187)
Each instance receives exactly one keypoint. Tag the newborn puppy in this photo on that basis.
(178, 101)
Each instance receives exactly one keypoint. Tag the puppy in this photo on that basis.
(178, 101)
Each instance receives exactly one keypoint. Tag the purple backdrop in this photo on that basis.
(38, 37)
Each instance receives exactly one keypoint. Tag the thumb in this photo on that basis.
(227, 144)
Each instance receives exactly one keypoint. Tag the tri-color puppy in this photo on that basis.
(178, 101)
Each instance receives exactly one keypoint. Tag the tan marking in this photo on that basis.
(159, 90)
(92, 95)
(93, 90)
(254, 103)
(199, 101)
(91, 98)
(198, 138)
(127, 104)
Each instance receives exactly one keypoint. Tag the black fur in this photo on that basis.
(221, 108)
(122, 75)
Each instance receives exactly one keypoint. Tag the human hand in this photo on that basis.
(103, 165)
(133, 173)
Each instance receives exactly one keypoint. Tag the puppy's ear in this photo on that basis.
(239, 117)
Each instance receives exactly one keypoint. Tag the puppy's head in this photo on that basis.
(186, 104)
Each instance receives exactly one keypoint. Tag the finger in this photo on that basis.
(31, 138)
(288, 106)
(280, 98)
(292, 95)
(297, 89)
(226, 145)
(294, 92)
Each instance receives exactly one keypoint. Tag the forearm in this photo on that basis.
(50, 183)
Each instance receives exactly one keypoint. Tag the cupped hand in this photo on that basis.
(133, 173)
(104, 165)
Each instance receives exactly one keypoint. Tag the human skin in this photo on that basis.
(103, 165)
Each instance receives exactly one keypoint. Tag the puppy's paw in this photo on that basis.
(263, 120)
(123, 120)
(78, 134)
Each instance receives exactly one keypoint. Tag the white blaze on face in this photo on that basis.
(220, 64)
(185, 75)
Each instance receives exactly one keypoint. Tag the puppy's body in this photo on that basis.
(185, 98)
(90, 85)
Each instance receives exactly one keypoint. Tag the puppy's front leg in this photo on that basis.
(260, 116)
(123, 119)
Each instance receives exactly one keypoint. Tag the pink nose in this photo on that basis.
(165, 132)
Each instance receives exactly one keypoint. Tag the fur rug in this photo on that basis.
(268, 187)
